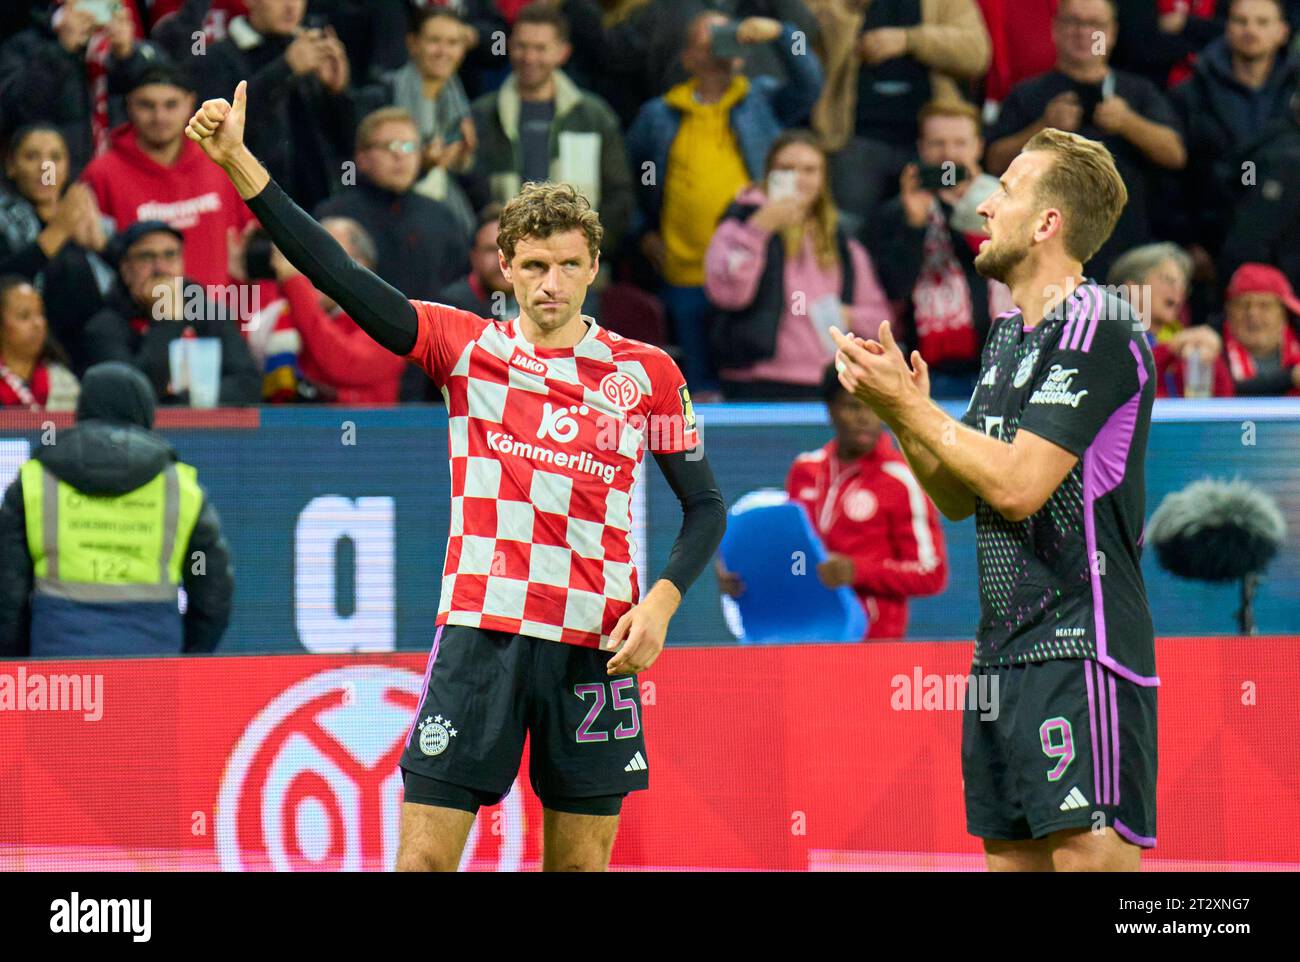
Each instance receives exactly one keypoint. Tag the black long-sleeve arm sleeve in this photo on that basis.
(379, 309)
(704, 516)
(15, 576)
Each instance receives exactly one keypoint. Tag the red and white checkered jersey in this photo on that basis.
(546, 445)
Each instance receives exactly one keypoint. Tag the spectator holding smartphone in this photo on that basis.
(1085, 95)
(67, 68)
(783, 271)
(881, 531)
(925, 241)
(701, 142)
(301, 113)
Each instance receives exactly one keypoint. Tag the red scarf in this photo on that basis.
(15, 392)
(941, 301)
(1242, 364)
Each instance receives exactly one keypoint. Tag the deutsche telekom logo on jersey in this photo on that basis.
(525, 363)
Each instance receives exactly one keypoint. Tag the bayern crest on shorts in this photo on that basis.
(436, 733)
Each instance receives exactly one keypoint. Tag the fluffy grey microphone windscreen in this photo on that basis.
(1215, 530)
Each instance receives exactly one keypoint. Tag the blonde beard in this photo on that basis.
(1001, 263)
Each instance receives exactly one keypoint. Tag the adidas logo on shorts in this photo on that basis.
(637, 764)
(1074, 800)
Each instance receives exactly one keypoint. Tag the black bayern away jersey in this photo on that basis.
(1067, 582)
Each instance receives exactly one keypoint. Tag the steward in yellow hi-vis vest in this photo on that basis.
(100, 531)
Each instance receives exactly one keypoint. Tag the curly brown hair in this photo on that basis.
(543, 209)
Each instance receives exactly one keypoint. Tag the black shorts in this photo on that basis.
(486, 690)
(1073, 745)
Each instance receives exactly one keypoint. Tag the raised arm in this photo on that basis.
(379, 309)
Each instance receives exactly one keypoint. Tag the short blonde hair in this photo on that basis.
(543, 209)
(377, 118)
(1082, 183)
(951, 107)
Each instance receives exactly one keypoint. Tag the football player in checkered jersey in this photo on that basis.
(541, 628)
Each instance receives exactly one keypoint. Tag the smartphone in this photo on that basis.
(782, 184)
(942, 176)
(1089, 96)
(101, 10)
(723, 42)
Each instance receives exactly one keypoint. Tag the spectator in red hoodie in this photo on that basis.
(880, 529)
(335, 352)
(154, 172)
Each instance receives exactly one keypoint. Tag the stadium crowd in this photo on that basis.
(764, 169)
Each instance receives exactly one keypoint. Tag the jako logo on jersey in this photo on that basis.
(582, 462)
(620, 390)
(525, 363)
(991, 378)
(556, 423)
(1056, 389)
(1025, 370)
(860, 505)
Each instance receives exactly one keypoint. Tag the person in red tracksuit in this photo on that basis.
(880, 529)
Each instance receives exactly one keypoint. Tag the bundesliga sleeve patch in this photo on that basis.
(688, 409)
